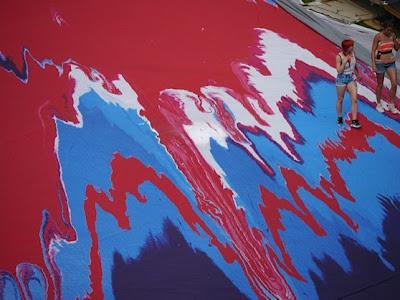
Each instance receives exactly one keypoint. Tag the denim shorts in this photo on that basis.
(381, 67)
(344, 79)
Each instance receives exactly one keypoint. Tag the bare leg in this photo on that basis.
(352, 88)
(393, 84)
(339, 103)
(379, 85)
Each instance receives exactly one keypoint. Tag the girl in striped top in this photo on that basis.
(383, 61)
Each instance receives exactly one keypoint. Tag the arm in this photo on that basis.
(341, 63)
(373, 51)
(357, 71)
(396, 43)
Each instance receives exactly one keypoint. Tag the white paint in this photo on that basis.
(204, 125)
(128, 98)
(237, 109)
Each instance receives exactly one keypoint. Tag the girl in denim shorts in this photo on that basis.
(346, 80)
(383, 61)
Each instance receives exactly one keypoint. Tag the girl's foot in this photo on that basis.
(393, 109)
(340, 120)
(355, 124)
(380, 108)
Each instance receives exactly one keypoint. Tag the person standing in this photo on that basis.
(346, 80)
(383, 61)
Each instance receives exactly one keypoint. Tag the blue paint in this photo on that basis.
(315, 129)
(37, 284)
(85, 155)
(9, 290)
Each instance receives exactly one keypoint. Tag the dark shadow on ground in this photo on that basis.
(170, 269)
(369, 277)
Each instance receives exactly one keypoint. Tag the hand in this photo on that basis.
(374, 67)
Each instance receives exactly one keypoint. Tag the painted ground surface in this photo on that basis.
(188, 150)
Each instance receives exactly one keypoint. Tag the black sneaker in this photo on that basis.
(340, 120)
(355, 124)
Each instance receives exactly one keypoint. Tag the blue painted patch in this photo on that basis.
(315, 129)
(8, 287)
(85, 155)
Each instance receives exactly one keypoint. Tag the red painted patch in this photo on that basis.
(147, 44)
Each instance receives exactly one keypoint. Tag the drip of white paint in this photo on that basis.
(127, 99)
(204, 125)
(236, 108)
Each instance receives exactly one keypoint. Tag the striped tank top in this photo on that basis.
(385, 47)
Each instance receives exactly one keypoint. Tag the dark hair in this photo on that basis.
(387, 23)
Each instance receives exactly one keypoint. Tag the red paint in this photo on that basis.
(30, 177)
(153, 50)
